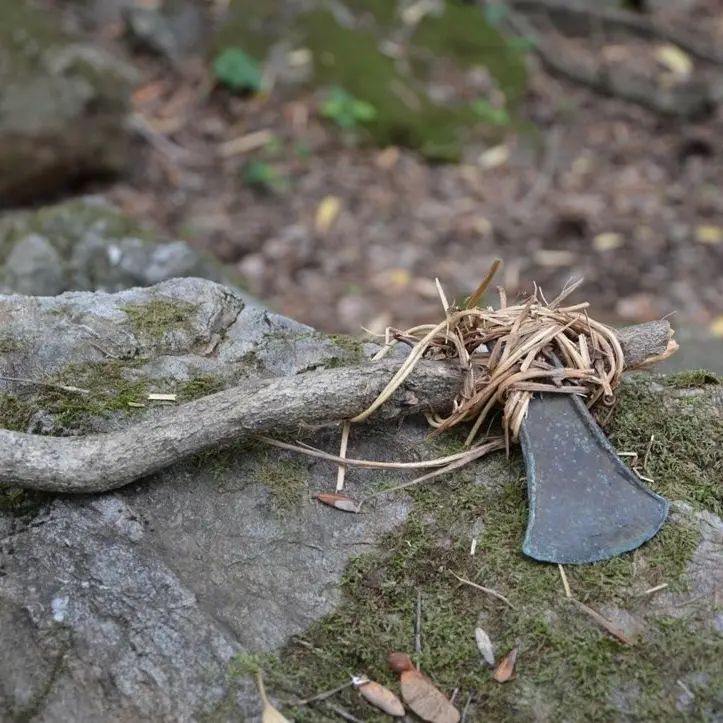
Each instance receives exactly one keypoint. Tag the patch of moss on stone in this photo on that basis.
(353, 346)
(686, 455)
(286, 479)
(109, 389)
(9, 345)
(158, 317)
(568, 667)
(693, 379)
(200, 386)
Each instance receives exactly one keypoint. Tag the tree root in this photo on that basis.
(694, 100)
(98, 463)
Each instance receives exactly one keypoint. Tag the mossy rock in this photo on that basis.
(349, 56)
(568, 667)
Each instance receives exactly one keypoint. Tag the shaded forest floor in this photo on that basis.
(603, 188)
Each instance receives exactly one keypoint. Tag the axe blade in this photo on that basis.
(585, 504)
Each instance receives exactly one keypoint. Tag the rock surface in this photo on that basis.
(86, 244)
(63, 107)
(156, 602)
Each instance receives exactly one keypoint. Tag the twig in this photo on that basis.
(49, 385)
(345, 427)
(342, 713)
(636, 22)
(325, 694)
(102, 462)
(545, 177)
(613, 629)
(418, 628)
(647, 453)
(565, 583)
(487, 590)
(470, 699)
(681, 103)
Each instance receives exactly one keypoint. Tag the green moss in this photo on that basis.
(9, 345)
(686, 456)
(158, 317)
(286, 479)
(693, 379)
(350, 57)
(353, 346)
(200, 386)
(566, 662)
(462, 33)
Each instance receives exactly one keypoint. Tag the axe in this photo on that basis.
(585, 504)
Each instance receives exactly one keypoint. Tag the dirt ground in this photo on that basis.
(623, 196)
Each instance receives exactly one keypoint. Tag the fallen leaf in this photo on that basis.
(245, 143)
(506, 667)
(675, 60)
(716, 327)
(399, 662)
(484, 645)
(420, 694)
(553, 257)
(607, 241)
(326, 212)
(380, 697)
(269, 714)
(494, 157)
(709, 234)
(483, 226)
(428, 702)
(340, 502)
(388, 157)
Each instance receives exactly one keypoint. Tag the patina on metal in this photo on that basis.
(586, 505)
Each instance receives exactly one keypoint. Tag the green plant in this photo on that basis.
(496, 13)
(263, 177)
(237, 70)
(489, 113)
(345, 110)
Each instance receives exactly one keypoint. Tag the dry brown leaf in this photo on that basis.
(709, 234)
(420, 694)
(326, 212)
(675, 60)
(607, 241)
(494, 157)
(399, 662)
(506, 668)
(269, 714)
(427, 701)
(380, 697)
(716, 327)
(340, 502)
(484, 645)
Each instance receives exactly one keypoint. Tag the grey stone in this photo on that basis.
(34, 267)
(63, 106)
(130, 606)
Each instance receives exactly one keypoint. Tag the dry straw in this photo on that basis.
(507, 354)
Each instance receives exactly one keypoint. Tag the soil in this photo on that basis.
(604, 189)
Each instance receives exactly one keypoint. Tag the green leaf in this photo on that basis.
(488, 113)
(523, 43)
(496, 13)
(238, 71)
(364, 111)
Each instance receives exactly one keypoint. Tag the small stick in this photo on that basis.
(487, 590)
(479, 293)
(418, 628)
(49, 385)
(325, 694)
(345, 427)
(613, 629)
(342, 713)
(565, 583)
(647, 453)
(470, 698)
